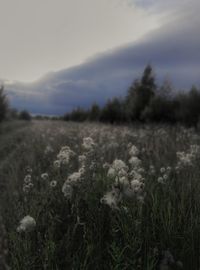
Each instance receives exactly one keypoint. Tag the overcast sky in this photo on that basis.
(96, 48)
(38, 36)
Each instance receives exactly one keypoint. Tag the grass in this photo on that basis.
(158, 227)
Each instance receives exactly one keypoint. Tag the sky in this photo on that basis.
(106, 45)
(38, 36)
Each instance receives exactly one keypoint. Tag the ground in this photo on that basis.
(91, 196)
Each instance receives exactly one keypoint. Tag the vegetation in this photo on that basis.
(3, 104)
(146, 102)
(87, 196)
(25, 115)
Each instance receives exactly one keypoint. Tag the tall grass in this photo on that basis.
(160, 229)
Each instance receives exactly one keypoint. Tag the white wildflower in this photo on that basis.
(27, 224)
(136, 185)
(88, 143)
(112, 198)
(67, 190)
(161, 180)
(165, 176)
(48, 150)
(29, 170)
(106, 166)
(169, 169)
(56, 164)
(65, 155)
(122, 173)
(111, 173)
(82, 159)
(74, 177)
(162, 170)
(27, 179)
(133, 152)
(53, 183)
(44, 176)
(134, 162)
(119, 165)
(26, 188)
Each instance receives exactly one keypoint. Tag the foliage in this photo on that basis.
(140, 94)
(158, 231)
(146, 102)
(25, 115)
(3, 104)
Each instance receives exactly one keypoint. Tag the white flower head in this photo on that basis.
(112, 198)
(118, 165)
(53, 183)
(44, 176)
(26, 188)
(48, 150)
(67, 190)
(27, 224)
(161, 180)
(111, 172)
(27, 179)
(56, 164)
(162, 170)
(134, 161)
(65, 155)
(74, 177)
(133, 152)
(88, 144)
(136, 185)
(82, 159)
(106, 166)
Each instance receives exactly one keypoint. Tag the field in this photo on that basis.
(91, 196)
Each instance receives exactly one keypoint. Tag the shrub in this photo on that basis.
(25, 115)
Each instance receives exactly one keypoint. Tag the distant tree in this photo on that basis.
(25, 115)
(161, 107)
(77, 115)
(3, 104)
(94, 112)
(140, 94)
(188, 109)
(113, 111)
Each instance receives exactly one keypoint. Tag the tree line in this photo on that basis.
(9, 113)
(145, 102)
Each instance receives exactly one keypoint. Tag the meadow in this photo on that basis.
(93, 196)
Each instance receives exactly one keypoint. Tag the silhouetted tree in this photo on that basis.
(94, 112)
(162, 106)
(3, 104)
(113, 111)
(188, 107)
(77, 115)
(140, 94)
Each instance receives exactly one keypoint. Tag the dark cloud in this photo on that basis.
(173, 50)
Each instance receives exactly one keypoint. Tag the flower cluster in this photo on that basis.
(88, 144)
(164, 175)
(64, 156)
(28, 185)
(128, 181)
(186, 159)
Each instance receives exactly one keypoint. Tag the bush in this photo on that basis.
(25, 115)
